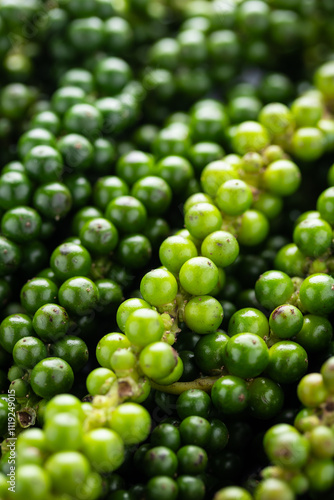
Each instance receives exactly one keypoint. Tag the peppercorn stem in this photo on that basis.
(204, 383)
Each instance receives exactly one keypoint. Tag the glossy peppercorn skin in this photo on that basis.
(70, 260)
(278, 368)
(317, 294)
(51, 322)
(246, 355)
(15, 189)
(51, 376)
(37, 292)
(79, 295)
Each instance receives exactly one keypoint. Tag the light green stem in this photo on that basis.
(205, 384)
